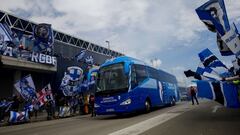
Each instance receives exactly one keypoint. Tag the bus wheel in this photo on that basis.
(147, 106)
(173, 102)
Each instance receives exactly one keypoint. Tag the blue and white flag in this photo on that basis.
(201, 70)
(74, 73)
(222, 46)
(80, 55)
(43, 35)
(236, 65)
(6, 33)
(64, 111)
(16, 117)
(222, 92)
(29, 107)
(214, 16)
(71, 81)
(232, 40)
(209, 59)
(89, 60)
(26, 88)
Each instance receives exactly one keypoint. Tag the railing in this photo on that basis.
(26, 27)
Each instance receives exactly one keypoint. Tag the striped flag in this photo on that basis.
(16, 117)
(221, 92)
(201, 70)
(209, 59)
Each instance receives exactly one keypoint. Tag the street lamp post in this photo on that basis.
(108, 43)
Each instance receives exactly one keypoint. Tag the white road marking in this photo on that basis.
(215, 108)
(152, 122)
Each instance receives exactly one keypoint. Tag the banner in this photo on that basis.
(213, 14)
(80, 55)
(45, 95)
(71, 81)
(26, 88)
(222, 92)
(43, 35)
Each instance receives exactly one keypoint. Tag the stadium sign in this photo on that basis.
(30, 56)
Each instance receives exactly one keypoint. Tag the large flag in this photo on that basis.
(222, 92)
(71, 81)
(16, 117)
(232, 40)
(26, 88)
(43, 34)
(214, 16)
(45, 95)
(209, 59)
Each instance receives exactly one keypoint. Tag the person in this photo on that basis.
(91, 103)
(81, 104)
(15, 104)
(193, 92)
(48, 107)
(2, 109)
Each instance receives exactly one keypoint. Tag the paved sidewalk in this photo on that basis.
(40, 117)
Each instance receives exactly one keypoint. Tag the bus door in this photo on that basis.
(162, 94)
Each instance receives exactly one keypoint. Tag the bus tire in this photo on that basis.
(173, 102)
(147, 105)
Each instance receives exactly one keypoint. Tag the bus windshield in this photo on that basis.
(112, 78)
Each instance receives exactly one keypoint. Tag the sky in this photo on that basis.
(165, 33)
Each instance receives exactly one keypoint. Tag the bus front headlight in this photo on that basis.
(126, 102)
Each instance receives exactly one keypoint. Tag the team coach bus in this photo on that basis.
(126, 85)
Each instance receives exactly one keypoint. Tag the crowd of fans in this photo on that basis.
(76, 105)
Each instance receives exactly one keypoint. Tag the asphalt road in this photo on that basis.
(208, 118)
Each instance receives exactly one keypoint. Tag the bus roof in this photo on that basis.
(131, 60)
(125, 59)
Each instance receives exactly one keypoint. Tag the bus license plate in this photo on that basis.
(109, 110)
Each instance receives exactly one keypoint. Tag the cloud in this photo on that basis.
(144, 29)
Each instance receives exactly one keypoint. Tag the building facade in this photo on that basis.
(43, 68)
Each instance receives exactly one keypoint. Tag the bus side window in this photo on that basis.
(141, 73)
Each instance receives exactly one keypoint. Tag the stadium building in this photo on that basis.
(65, 48)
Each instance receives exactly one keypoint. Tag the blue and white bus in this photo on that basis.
(126, 85)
